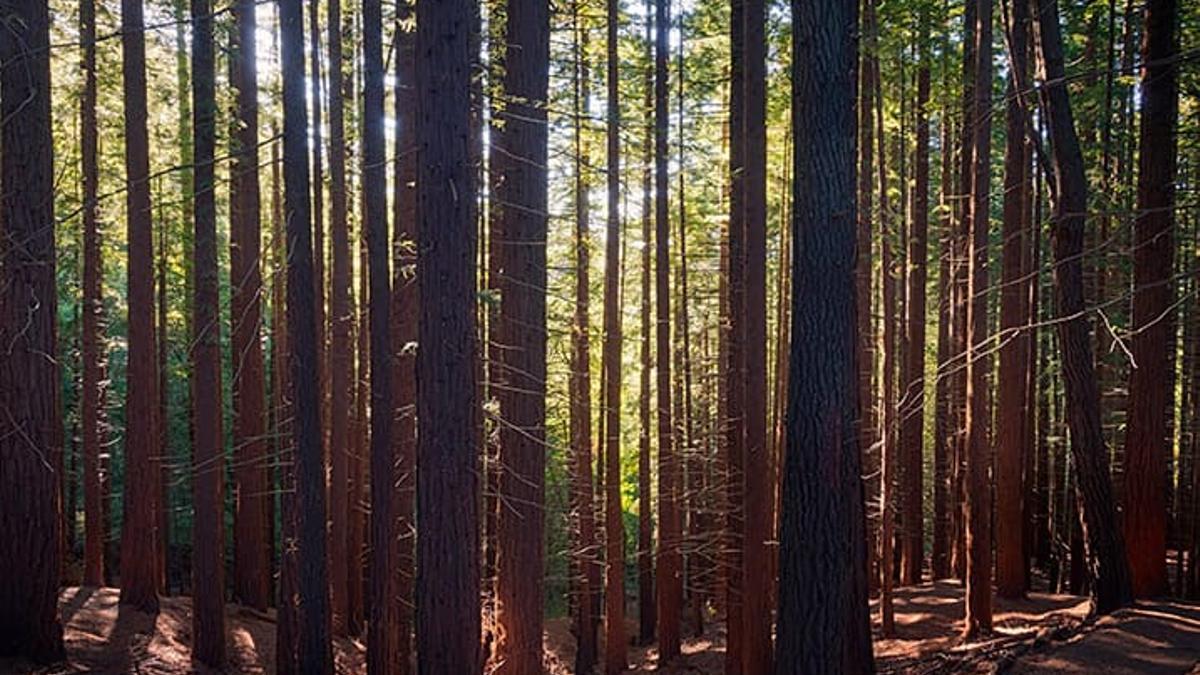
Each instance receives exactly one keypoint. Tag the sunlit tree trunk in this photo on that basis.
(647, 603)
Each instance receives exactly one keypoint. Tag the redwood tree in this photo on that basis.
(448, 408)
(647, 603)
(824, 622)
(252, 576)
(139, 571)
(1147, 440)
(208, 464)
(1103, 541)
(520, 559)
(29, 518)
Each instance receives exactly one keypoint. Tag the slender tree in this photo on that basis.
(1103, 541)
(313, 653)
(448, 407)
(864, 326)
(614, 581)
(93, 264)
(1147, 439)
(824, 622)
(978, 440)
(647, 599)
(208, 530)
(139, 582)
(404, 332)
(669, 587)
(1012, 408)
(29, 482)
(251, 546)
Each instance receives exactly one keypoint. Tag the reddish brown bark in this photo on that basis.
(139, 571)
(1147, 440)
(522, 330)
(448, 409)
(977, 428)
(864, 328)
(30, 517)
(614, 578)
(208, 531)
(887, 453)
(93, 264)
(252, 562)
(1012, 408)
(647, 603)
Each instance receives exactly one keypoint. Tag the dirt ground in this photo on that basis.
(1042, 634)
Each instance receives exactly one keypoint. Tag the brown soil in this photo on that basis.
(1044, 633)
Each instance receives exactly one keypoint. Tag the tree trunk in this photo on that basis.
(614, 582)
(887, 447)
(93, 311)
(404, 334)
(1104, 543)
(824, 619)
(912, 392)
(448, 409)
(669, 587)
(313, 654)
(1147, 441)
(208, 465)
(1012, 408)
(30, 518)
(583, 502)
(864, 321)
(978, 408)
(647, 617)
(139, 578)
(520, 561)
(252, 553)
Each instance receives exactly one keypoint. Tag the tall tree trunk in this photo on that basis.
(887, 449)
(313, 653)
(734, 379)
(404, 333)
(341, 355)
(757, 488)
(520, 560)
(252, 552)
(864, 321)
(139, 578)
(912, 392)
(978, 407)
(1147, 441)
(614, 581)
(448, 409)
(824, 619)
(581, 376)
(1012, 408)
(669, 587)
(93, 310)
(647, 616)
(374, 172)
(208, 464)
(29, 483)
(1103, 540)
(318, 215)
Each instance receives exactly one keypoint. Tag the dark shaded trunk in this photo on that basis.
(520, 562)
(139, 571)
(208, 461)
(313, 653)
(30, 518)
(1104, 543)
(404, 334)
(824, 619)
(1148, 443)
(448, 409)
(864, 321)
(252, 562)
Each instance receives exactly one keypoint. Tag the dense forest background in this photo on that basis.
(1023, 369)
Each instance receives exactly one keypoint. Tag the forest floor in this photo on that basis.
(1044, 633)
